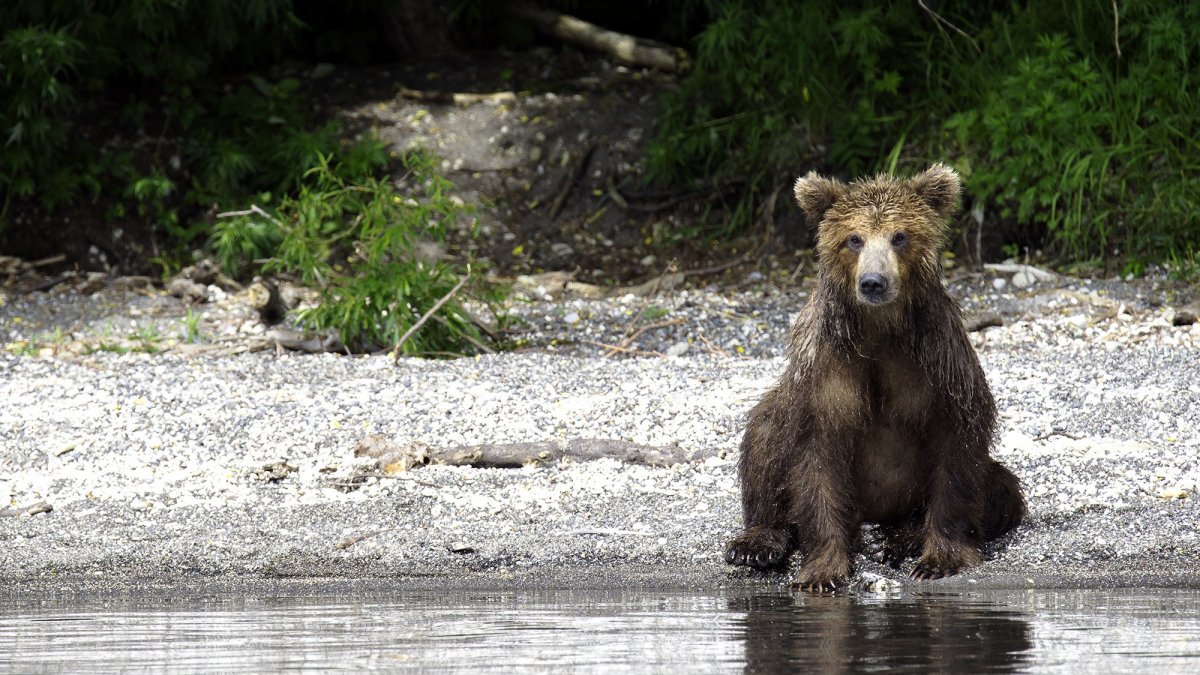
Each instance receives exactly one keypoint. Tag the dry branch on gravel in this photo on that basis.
(978, 322)
(458, 98)
(392, 457)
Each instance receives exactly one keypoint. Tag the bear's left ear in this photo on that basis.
(940, 187)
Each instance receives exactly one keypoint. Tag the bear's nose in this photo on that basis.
(872, 284)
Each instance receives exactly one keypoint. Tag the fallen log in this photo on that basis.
(263, 295)
(978, 322)
(633, 50)
(392, 457)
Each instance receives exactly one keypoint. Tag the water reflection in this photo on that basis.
(911, 634)
(754, 629)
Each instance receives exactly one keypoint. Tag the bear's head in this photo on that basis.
(879, 238)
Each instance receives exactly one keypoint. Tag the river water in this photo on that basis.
(728, 630)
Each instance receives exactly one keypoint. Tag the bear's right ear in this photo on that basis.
(815, 194)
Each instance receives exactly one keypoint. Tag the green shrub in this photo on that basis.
(119, 102)
(360, 243)
(1058, 137)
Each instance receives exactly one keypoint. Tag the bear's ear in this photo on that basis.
(940, 187)
(815, 194)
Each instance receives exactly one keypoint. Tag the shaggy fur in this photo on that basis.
(883, 414)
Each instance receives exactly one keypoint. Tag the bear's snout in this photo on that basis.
(876, 274)
(873, 286)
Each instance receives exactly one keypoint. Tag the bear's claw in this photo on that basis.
(755, 552)
(926, 572)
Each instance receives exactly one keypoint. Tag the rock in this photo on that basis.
(94, 283)
(187, 290)
(460, 547)
(1023, 279)
(321, 70)
(999, 283)
(876, 583)
(649, 261)
(571, 317)
(677, 349)
(1185, 316)
(561, 249)
(274, 472)
(132, 283)
(535, 154)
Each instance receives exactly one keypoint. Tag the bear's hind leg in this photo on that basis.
(1004, 507)
(768, 539)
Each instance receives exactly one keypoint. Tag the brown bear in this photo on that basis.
(883, 414)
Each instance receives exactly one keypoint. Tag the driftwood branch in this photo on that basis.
(556, 284)
(978, 322)
(627, 48)
(393, 457)
(31, 510)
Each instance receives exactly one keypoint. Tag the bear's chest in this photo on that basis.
(888, 462)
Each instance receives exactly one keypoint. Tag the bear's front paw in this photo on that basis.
(761, 549)
(823, 572)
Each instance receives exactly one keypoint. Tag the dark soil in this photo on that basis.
(557, 170)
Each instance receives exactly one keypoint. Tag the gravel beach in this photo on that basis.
(182, 466)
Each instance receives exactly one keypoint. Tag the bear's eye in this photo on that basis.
(899, 239)
(855, 242)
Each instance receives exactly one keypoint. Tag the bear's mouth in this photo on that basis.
(876, 299)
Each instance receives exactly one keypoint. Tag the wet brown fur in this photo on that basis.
(883, 414)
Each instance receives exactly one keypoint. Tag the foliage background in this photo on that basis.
(1073, 122)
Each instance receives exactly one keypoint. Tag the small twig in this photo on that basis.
(52, 260)
(654, 326)
(570, 178)
(1074, 437)
(799, 270)
(623, 350)
(608, 532)
(713, 269)
(712, 348)
(942, 21)
(457, 98)
(702, 195)
(613, 194)
(350, 541)
(425, 317)
(469, 338)
(254, 208)
(1116, 29)
(49, 283)
(670, 269)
